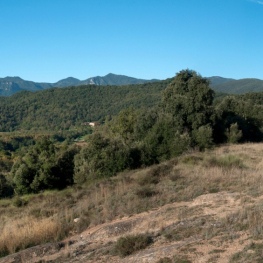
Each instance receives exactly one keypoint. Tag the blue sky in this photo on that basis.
(47, 40)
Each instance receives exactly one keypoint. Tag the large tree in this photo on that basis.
(44, 166)
(189, 100)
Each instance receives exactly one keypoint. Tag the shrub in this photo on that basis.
(6, 190)
(43, 166)
(191, 159)
(233, 134)
(101, 158)
(180, 259)
(145, 191)
(164, 260)
(155, 173)
(18, 201)
(227, 161)
(203, 137)
(129, 244)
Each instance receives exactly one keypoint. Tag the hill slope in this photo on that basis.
(56, 108)
(240, 86)
(11, 85)
(205, 207)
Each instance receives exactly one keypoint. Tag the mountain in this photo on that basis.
(239, 86)
(113, 79)
(11, 85)
(216, 80)
(67, 82)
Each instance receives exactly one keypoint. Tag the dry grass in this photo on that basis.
(25, 232)
(50, 216)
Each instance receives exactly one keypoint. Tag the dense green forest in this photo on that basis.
(62, 109)
(142, 125)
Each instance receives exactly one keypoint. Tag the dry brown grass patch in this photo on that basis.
(25, 232)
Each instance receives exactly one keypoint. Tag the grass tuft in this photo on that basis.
(227, 161)
(132, 243)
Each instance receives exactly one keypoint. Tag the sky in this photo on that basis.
(48, 40)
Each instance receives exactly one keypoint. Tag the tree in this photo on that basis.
(101, 158)
(6, 189)
(189, 100)
(44, 166)
(124, 124)
(234, 113)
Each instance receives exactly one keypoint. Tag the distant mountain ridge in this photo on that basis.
(12, 85)
(239, 86)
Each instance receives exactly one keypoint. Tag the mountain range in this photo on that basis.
(12, 85)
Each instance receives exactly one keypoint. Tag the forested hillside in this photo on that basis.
(239, 86)
(61, 109)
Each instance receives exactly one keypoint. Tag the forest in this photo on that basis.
(44, 144)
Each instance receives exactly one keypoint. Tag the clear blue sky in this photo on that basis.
(47, 40)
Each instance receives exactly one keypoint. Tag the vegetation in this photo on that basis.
(239, 86)
(29, 222)
(185, 118)
(62, 109)
(130, 244)
(43, 167)
(85, 161)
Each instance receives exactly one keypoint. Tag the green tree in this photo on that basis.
(44, 166)
(123, 125)
(203, 136)
(189, 99)
(6, 189)
(101, 158)
(247, 116)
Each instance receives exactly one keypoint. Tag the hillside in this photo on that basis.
(216, 80)
(61, 109)
(240, 86)
(12, 85)
(201, 207)
(55, 109)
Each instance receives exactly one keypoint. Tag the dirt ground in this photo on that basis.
(200, 225)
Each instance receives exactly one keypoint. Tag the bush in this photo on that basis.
(233, 134)
(145, 191)
(101, 158)
(227, 161)
(154, 175)
(6, 190)
(164, 260)
(44, 166)
(18, 201)
(203, 137)
(129, 244)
